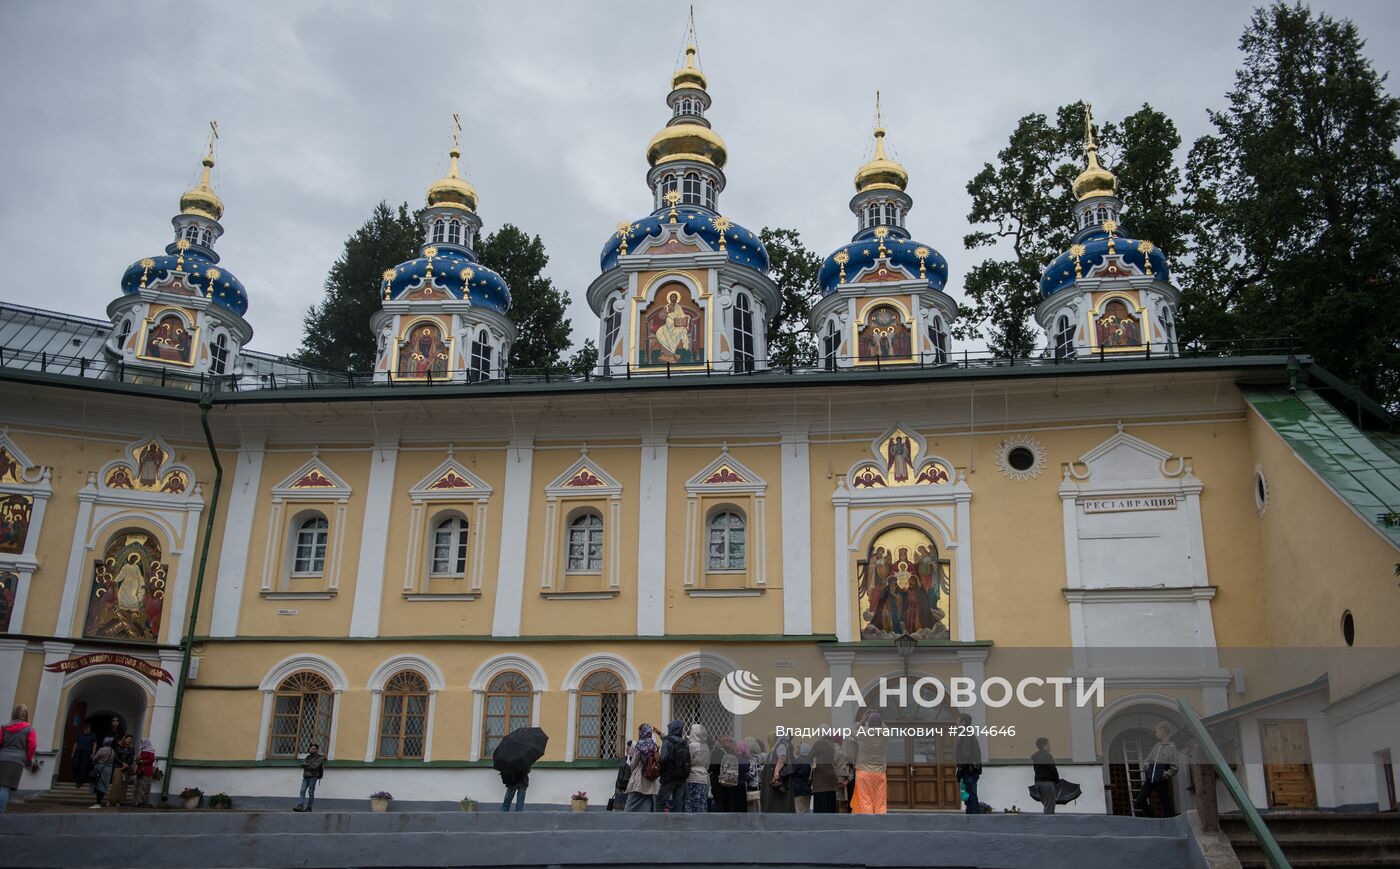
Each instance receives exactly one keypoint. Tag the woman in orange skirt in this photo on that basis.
(869, 744)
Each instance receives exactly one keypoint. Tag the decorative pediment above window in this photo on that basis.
(313, 481)
(1123, 458)
(901, 459)
(583, 478)
(147, 466)
(15, 466)
(725, 474)
(450, 481)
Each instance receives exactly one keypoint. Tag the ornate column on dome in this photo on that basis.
(182, 311)
(1108, 295)
(883, 300)
(444, 315)
(685, 288)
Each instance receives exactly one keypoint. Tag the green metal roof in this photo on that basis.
(1360, 471)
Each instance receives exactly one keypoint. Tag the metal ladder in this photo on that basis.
(1132, 765)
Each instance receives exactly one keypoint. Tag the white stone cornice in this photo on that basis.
(1136, 595)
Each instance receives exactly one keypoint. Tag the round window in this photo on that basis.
(1020, 458)
(1261, 491)
(1348, 628)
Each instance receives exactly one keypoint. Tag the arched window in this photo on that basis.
(301, 715)
(1064, 338)
(123, 332)
(206, 237)
(585, 552)
(309, 556)
(612, 325)
(192, 234)
(454, 232)
(439, 229)
(668, 184)
(709, 194)
(1103, 214)
(938, 336)
(403, 716)
(889, 213)
(743, 333)
(218, 354)
(690, 195)
(695, 699)
(726, 547)
(506, 708)
(450, 547)
(481, 356)
(831, 342)
(602, 706)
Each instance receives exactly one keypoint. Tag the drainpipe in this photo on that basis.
(187, 645)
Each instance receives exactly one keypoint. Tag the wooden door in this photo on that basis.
(72, 726)
(920, 774)
(1288, 772)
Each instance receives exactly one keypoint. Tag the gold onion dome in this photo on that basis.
(201, 200)
(689, 75)
(1095, 180)
(452, 191)
(687, 142)
(881, 172)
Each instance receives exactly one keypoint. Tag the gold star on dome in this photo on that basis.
(1076, 251)
(146, 265)
(623, 230)
(388, 274)
(841, 259)
(922, 253)
(430, 252)
(882, 231)
(672, 197)
(466, 275)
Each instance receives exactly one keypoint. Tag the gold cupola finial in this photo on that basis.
(1095, 180)
(201, 200)
(881, 172)
(689, 74)
(451, 190)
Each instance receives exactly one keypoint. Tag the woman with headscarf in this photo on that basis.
(869, 759)
(697, 785)
(102, 762)
(753, 786)
(641, 789)
(145, 769)
(775, 795)
(732, 779)
(17, 746)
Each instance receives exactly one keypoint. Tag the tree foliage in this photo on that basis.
(794, 269)
(1023, 202)
(539, 310)
(336, 333)
(1295, 201)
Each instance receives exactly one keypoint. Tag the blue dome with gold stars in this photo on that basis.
(198, 269)
(455, 272)
(1061, 273)
(744, 247)
(901, 251)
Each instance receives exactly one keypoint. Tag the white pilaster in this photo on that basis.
(178, 618)
(967, 625)
(238, 531)
(839, 666)
(11, 657)
(842, 564)
(77, 560)
(161, 716)
(45, 715)
(651, 534)
(797, 534)
(374, 541)
(510, 579)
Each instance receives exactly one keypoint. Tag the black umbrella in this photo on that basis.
(519, 751)
(1068, 792)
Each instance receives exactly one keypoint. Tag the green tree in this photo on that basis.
(1023, 202)
(1295, 201)
(585, 358)
(537, 308)
(336, 333)
(794, 269)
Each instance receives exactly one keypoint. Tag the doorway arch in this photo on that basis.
(1126, 735)
(920, 771)
(97, 696)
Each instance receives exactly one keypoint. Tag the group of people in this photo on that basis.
(118, 770)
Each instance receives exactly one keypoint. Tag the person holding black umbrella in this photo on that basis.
(513, 758)
(1047, 777)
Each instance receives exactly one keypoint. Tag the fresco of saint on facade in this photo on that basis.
(673, 329)
(424, 353)
(15, 512)
(128, 590)
(901, 584)
(1118, 327)
(884, 335)
(169, 340)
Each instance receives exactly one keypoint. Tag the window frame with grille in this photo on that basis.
(307, 726)
(404, 692)
(511, 720)
(695, 697)
(602, 685)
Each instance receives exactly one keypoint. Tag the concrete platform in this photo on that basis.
(224, 840)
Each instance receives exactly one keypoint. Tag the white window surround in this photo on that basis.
(560, 499)
(377, 680)
(332, 500)
(748, 493)
(34, 482)
(624, 670)
(429, 504)
(323, 667)
(489, 670)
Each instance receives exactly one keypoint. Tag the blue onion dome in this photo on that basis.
(743, 247)
(918, 260)
(446, 272)
(198, 269)
(1091, 251)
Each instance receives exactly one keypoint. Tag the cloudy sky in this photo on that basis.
(325, 108)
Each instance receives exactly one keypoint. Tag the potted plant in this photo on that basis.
(191, 796)
(579, 801)
(468, 804)
(379, 801)
(221, 801)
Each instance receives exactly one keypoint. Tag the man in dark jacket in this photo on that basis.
(516, 784)
(967, 754)
(675, 768)
(1047, 778)
(313, 767)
